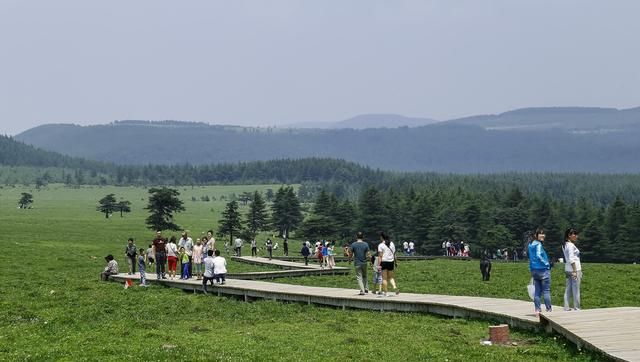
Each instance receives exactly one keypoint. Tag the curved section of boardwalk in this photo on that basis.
(615, 332)
(284, 264)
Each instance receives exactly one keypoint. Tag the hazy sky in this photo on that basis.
(276, 62)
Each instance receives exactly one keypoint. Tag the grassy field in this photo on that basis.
(54, 308)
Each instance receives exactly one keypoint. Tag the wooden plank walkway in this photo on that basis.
(614, 332)
(281, 263)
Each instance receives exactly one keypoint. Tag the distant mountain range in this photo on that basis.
(534, 139)
(365, 121)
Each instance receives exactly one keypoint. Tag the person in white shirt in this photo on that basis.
(238, 246)
(572, 269)
(219, 268)
(412, 248)
(405, 247)
(387, 257)
(172, 257)
(208, 270)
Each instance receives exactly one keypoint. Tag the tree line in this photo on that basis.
(486, 221)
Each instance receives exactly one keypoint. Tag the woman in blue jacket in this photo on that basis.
(540, 271)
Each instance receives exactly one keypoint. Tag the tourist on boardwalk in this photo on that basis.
(318, 253)
(196, 257)
(377, 274)
(219, 268)
(361, 254)
(346, 252)
(172, 257)
(210, 244)
(141, 268)
(208, 270)
(254, 248)
(405, 247)
(238, 246)
(160, 252)
(110, 269)
(130, 253)
(572, 269)
(150, 255)
(187, 243)
(184, 264)
(387, 255)
(412, 248)
(540, 271)
(269, 247)
(325, 254)
(305, 253)
(331, 254)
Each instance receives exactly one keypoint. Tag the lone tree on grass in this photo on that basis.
(25, 200)
(163, 203)
(107, 205)
(123, 206)
(230, 221)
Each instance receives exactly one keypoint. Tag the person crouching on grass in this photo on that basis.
(219, 268)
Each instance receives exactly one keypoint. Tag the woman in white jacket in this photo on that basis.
(572, 269)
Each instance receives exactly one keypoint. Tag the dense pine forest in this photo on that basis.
(487, 211)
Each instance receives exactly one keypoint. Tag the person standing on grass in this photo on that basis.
(387, 255)
(572, 269)
(540, 271)
(412, 248)
(141, 268)
(196, 257)
(219, 268)
(172, 257)
(160, 252)
(208, 270)
(285, 246)
(187, 243)
(130, 252)
(361, 254)
(110, 269)
(254, 248)
(305, 253)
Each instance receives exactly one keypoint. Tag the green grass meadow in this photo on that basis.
(53, 307)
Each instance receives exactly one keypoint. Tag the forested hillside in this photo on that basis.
(443, 147)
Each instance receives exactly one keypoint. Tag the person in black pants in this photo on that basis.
(485, 267)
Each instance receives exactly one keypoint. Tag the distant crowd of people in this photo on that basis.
(455, 248)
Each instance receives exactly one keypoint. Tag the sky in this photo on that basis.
(280, 62)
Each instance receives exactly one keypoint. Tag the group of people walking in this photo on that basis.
(383, 263)
(540, 268)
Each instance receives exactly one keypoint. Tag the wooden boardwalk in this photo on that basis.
(614, 332)
(282, 263)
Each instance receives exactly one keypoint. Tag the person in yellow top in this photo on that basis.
(184, 259)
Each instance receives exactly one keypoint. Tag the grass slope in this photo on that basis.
(52, 306)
